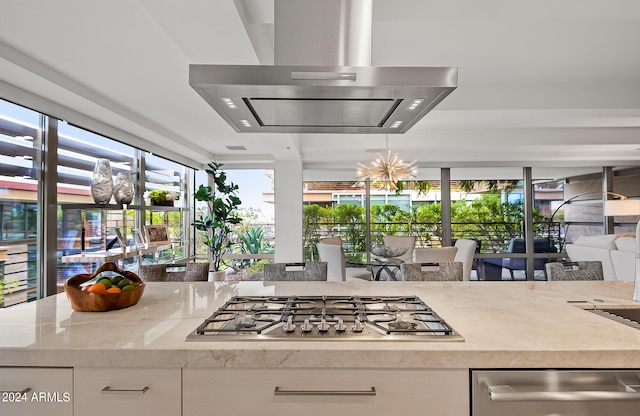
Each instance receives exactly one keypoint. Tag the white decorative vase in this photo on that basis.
(123, 189)
(217, 276)
(102, 182)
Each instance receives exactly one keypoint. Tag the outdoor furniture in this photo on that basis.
(578, 270)
(443, 271)
(491, 268)
(311, 271)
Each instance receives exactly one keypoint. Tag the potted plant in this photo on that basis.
(162, 197)
(222, 213)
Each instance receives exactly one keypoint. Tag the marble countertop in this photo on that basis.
(505, 325)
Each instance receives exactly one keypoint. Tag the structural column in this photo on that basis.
(48, 203)
(288, 190)
(607, 188)
(445, 183)
(528, 222)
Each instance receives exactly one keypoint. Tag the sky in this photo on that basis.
(251, 184)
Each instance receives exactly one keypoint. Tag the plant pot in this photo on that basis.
(162, 204)
(217, 276)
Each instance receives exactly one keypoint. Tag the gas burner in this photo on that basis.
(402, 325)
(385, 317)
(325, 318)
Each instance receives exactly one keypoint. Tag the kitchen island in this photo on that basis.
(504, 325)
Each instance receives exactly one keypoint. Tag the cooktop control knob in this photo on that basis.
(358, 326)
(289, 326)
(306, 326)
(340, 326)
(323, 326)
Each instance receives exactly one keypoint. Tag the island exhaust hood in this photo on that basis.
(322, 81)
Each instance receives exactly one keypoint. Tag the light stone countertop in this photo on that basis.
(505, 325)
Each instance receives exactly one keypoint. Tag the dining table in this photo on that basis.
(382, 268)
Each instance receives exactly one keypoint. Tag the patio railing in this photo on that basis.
(493, 236)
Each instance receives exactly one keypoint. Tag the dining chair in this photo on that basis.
(403, 241)
(442, 271)
(337, 270)
(434, 255)
(193, 272)
(197, 272)
(335, 240)
(578, 270)
(310, 271)
(465, 254)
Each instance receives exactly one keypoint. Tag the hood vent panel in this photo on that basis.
(321, 113)
(277, 99)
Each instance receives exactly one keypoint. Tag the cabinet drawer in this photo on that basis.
(36, 391)
(325, 392)
(125, 392)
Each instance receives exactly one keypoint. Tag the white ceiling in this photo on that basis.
(546, 84)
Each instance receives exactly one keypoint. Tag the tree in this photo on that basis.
(389, 219)
(351, 217)
(313, 216)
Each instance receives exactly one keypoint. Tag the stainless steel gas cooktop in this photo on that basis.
(325, 318)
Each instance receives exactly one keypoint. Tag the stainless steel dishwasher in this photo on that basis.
(555, 392)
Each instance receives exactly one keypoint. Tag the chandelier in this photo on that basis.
(387, 170)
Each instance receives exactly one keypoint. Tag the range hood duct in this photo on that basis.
(322, 80)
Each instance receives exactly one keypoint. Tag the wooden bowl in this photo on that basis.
(84, 301)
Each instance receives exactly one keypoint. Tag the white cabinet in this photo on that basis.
(36, 391)
(295, 392)
(127, 391)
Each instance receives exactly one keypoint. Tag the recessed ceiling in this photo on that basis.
(539, 84)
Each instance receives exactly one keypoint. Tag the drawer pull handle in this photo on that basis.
(506, 393)
(108, 389)
(280, 392)
(23, 391)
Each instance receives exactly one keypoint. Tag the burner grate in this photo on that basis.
(325, 318)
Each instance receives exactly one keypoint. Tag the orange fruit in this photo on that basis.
(114, 289)
(97, 288)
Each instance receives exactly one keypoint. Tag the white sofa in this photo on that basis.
(617, 254)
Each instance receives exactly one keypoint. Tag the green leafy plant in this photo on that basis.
(351, 219)
(253, 240)
(6, 287)
(161, 196)
(158, 196)
(222, 206)
(314, 219)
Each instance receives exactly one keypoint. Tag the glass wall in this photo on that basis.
(338, 209)
(164, 196)
(78, 153)
(20, 132)
(200, 209)
(82, 225)
(254, 238)
(488, 210)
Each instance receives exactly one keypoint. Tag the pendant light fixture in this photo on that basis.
(387, 170)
